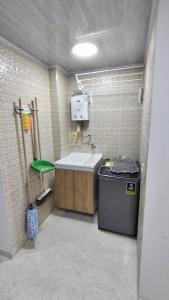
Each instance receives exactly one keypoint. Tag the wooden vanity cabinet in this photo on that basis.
(65, 189)
(75, 190)
(84, 192)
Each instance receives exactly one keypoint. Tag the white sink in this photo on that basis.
(79, 161)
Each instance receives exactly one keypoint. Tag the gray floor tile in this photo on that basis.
(71, 260)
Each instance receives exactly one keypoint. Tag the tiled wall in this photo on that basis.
(114, 126)
(5, 245)
(55, 114)
(114, 123)
(59, 91)
(145, 123)
(22, 76)
(64, 111)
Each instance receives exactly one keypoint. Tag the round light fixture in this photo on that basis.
(84, 49)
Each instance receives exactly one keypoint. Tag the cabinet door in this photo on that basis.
(65, 189)
(83, 184)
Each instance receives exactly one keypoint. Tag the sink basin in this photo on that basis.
(79, 161)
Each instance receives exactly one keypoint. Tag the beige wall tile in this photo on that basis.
(22, 77)
(115, 121)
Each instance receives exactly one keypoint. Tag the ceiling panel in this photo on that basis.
(49, 29)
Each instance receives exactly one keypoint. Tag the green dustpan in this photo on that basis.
(43, 166)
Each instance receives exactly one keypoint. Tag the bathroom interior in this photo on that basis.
(83, 91)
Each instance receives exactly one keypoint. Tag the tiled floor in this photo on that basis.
(71, 260)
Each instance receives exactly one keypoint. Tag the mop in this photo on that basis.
(32, 211)
(50, 166)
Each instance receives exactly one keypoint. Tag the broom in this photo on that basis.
(44, 193)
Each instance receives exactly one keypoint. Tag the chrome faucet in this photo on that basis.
(93, 146)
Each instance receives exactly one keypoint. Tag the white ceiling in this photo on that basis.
(47, 29)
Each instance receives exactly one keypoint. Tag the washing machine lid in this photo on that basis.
(124, 165)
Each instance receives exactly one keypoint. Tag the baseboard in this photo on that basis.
(5, 253)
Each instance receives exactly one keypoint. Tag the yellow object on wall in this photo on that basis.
(26, 118)
(27, 121)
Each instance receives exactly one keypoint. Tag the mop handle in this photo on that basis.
(38, 132)
(35, 154)
(25, 156)
(32, 135)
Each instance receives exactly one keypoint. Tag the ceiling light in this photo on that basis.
(84, 49)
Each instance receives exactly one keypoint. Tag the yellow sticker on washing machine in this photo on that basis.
(131, 188)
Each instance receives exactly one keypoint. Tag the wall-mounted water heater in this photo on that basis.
(80, 107)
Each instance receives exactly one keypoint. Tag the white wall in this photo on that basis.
(154, 273)
(4, 228)
(146, 118)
